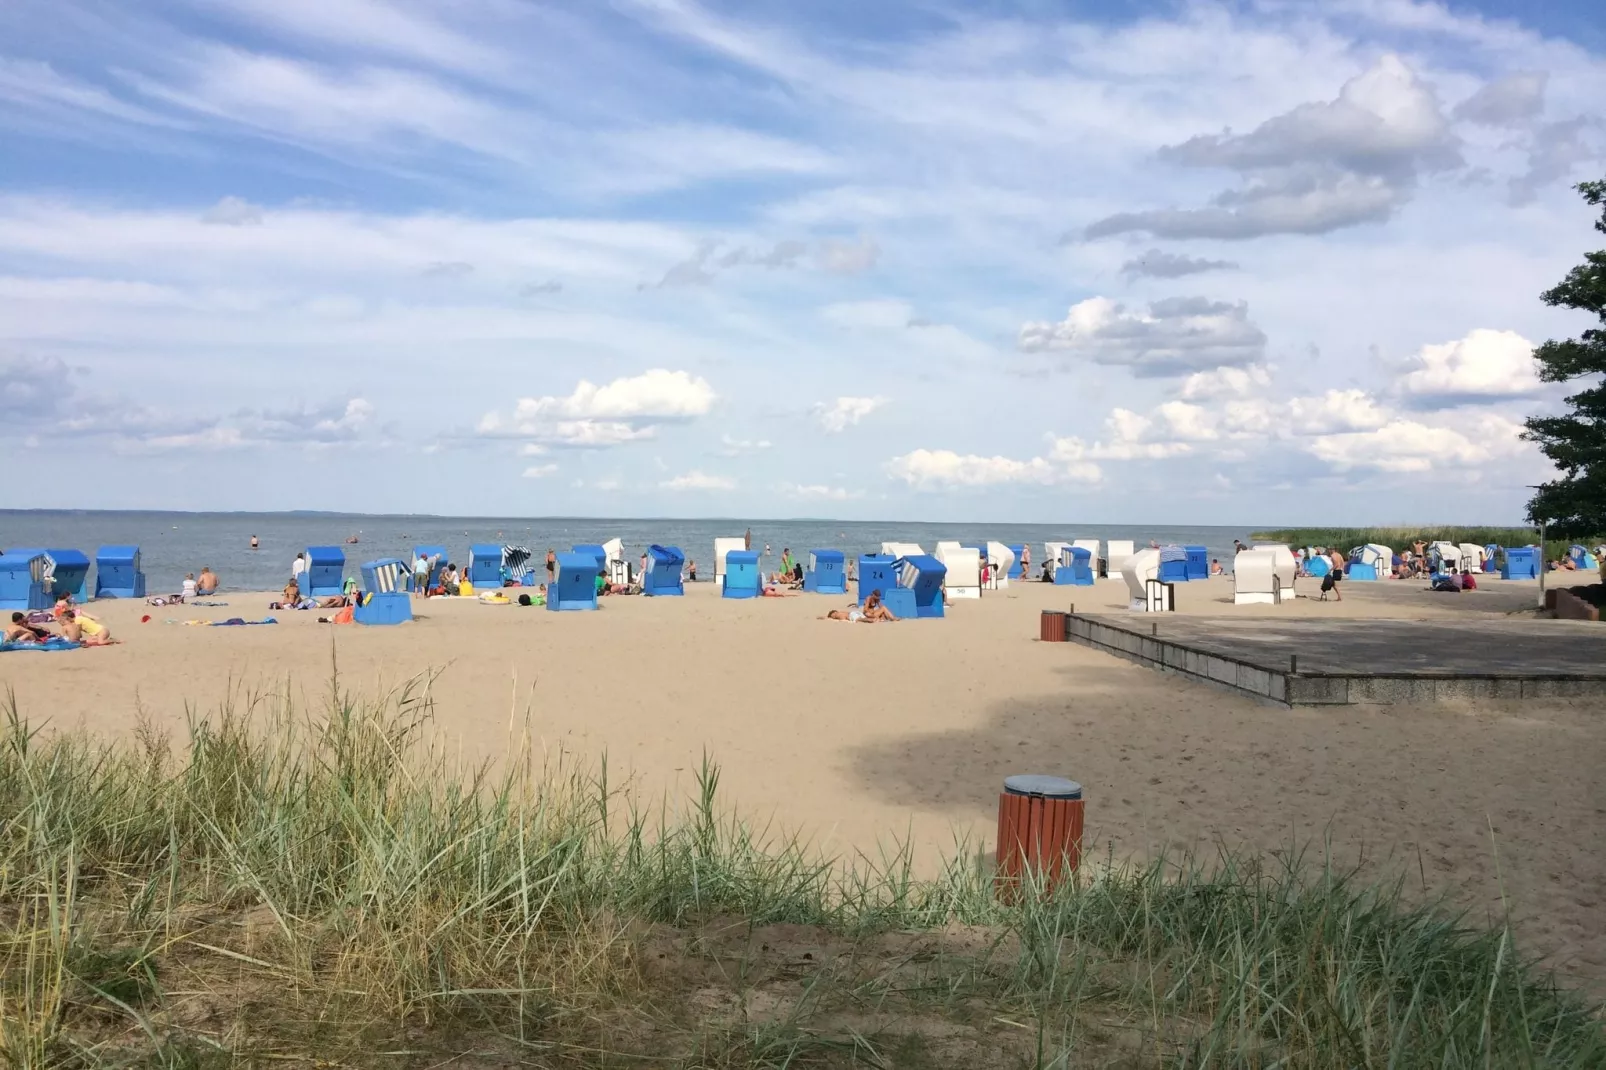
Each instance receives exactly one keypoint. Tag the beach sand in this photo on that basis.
(857, 735)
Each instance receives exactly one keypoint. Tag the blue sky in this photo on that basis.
(1023, 260)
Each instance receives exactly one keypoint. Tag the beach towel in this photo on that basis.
(236, 621)
(209, 604)
(165, 600)
(49, 644)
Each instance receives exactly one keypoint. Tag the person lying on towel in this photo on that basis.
(872, 613)
(20, 631)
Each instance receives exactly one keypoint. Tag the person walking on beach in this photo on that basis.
(551, 566)
(1026, 561)
(298, 566)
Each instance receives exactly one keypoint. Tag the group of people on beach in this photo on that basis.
(76, 626)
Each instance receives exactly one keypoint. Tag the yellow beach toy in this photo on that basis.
(494, 598)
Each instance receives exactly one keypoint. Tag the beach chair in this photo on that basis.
(1147, 592)
(1284, 567)
(1003, 561)
(742, 578)
(1582, 558)
(1115, 560)
(1472, 557)
(1092, 548)
(1441, 555)
(1173, 565)
(117, 573)
(723, 547)
(485, 566)
(1521, 563)
(876, 573)
(963, 578)
(23, 585)
(1051, 555)
(665, 564)
(618, 567)
(900, 602)
(1198, 562)
(70, 574)
(827, 572)
(325, 576)
(1318, 565)
(1254, 578)
(1075, 567)
(385, 597)
(574, 584)
(900, 549)
(922, 575)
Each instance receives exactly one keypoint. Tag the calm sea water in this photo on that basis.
(173, 544)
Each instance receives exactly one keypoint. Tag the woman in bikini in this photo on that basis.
(873, 612)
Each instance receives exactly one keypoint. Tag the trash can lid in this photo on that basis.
(1053, 787)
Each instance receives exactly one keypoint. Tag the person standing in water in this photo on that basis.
(253, 542)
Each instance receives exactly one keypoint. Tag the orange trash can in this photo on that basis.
(1051, 629)
(1039, 828)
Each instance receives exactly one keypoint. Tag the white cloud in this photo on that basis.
(540, 471)
(696, 480)
(925, 469)
(1335, 411)
(845, 412)
(737, 447)
(1404, 445)
(1509, 101)
(1317, 168)
(598, 417)
(1484, 366)
(1226, 382)
(1172, 336)
(1157, 264)
(234, 212)
(849, 257)
(821, 492)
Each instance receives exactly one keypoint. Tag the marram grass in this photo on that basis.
(330, 888)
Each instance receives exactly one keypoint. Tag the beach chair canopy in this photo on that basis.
(327, 556)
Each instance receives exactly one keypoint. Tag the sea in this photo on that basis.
(174, 544)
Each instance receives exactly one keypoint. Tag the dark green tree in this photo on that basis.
(1575, 505)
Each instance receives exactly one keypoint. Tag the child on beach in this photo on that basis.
(189, 586)
(85, 630)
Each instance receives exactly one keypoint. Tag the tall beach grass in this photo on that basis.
(332, 887)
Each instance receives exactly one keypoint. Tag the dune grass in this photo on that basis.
(332, 888)
(1398, 537)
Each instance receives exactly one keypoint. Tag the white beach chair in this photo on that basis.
(964, 570)
(1471, 557)
(1115, 561)
(1285, 565)
(723, 547)
(1003, 559)
(1138, 569)
(1254, 578)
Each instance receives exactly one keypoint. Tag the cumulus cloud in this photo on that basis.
(628, 409)
(925, 469)
(40, 394)
(1514, 100)
(783, 254)
(848, 257)
(845, 412)
(1406, 445)
(1173, 336)
(1554, 150)
(1162, 265)
(1317, 168)
(695, 480)
(1485, 366)
(739, 447)
(233, 212)
(1226, 382)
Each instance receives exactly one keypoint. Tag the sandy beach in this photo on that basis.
(856, 735)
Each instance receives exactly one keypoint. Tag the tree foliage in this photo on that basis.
(1575, 504)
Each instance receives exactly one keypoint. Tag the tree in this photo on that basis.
(1575, 505)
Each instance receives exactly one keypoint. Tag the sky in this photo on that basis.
(1011, 260)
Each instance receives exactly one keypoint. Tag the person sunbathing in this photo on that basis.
(20, 631)
(291, 598)
(872, 613)
(206, 583)
(85, 630)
